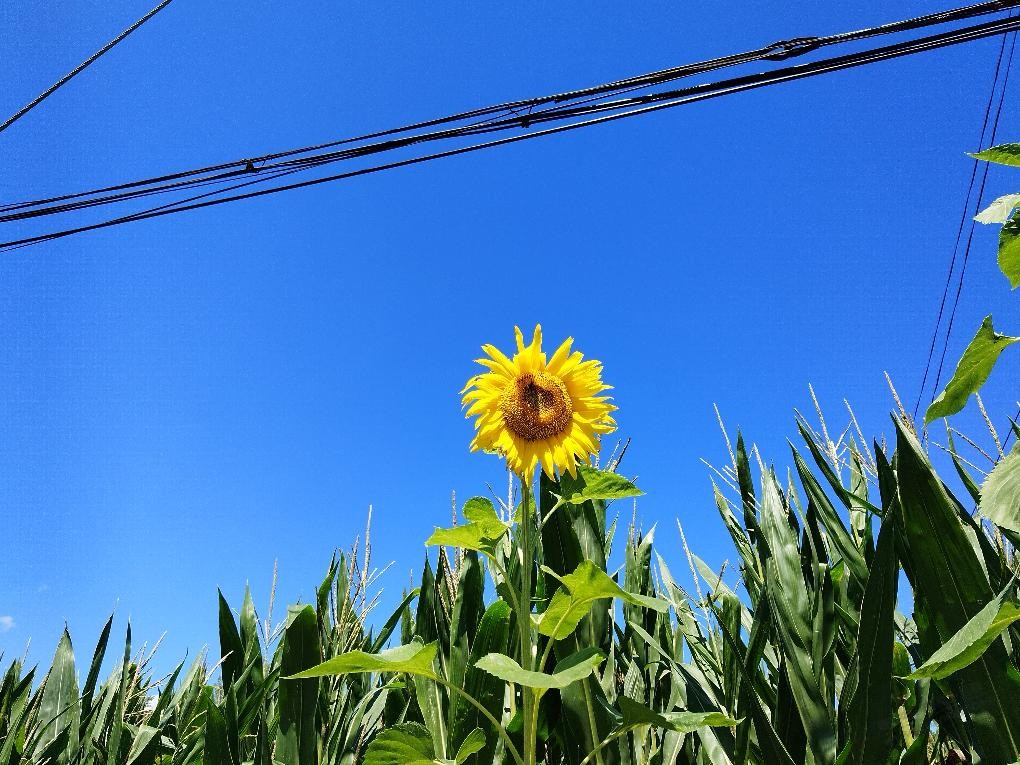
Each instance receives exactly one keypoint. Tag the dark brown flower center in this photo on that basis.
(536, 406)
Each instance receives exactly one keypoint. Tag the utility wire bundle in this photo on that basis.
(525, 119)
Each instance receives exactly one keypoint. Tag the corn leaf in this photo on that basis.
(296, 738)
(950, 588)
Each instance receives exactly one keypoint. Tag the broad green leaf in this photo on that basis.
(59, 710)
(296, 739)
(602, 484)
(474, 742)
(482, 531)
(405, 744)
(1009, 249)
(950, 588)
(1000, 496)
(971, 372)
(1000, 210)
(414, 659)
(1003, 154)
(870, 715)
(571, 669)
(578, 591)
(636, 715)
(967, 645)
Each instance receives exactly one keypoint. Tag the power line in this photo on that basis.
(80, 68)
(594, 104)
(977, 208)
(964, 214)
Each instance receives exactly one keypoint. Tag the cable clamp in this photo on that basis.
(798, 46)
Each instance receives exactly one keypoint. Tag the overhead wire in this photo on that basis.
(973, 223)
(777, 51)
(80, 68)
(965, 213)
(594, 105)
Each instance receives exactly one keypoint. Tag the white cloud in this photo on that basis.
(6, 623)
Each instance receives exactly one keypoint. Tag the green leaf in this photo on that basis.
(971, 372)
(578, 591)
(59, 710)
(1000, 496)
(999, 210)
(950, 588)
(1009, 249)
(482, 531)
(967, 645)
(406, 744)
(296, 740)
(1003, 154)
(414, 659)
(635, 715)
(474, 742)
(602, 484)
(575, 667)
(870, 715)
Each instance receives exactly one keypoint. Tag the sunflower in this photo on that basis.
(536, 412)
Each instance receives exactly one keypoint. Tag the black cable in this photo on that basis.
(777, 51)
(644, 104)
(80, 68)
(977, 208)
(959, 231)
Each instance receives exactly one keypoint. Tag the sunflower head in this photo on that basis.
(533, 411)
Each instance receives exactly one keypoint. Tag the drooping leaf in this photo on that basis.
(1000, 495)
(971, 372)
(1003, 154)
(415, 659)
(602, 484)
(636, 714)
(571, 669)
(405, 744)
(1009, 249)
(572, 601)
(967, 645)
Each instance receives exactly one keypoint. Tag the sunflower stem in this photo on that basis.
(530, 707)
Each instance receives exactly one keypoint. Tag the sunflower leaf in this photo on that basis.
(575, 667)
(1003, 154)
(967, 645)
(1009, 248)
(405, 744)
(601, 484)
(999, 210)
(482, 531)
(473, 743)
(573, 599)
(415, 658)
(1000, 495)
(636, 715)
(971, 372)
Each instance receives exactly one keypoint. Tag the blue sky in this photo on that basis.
(185, 401)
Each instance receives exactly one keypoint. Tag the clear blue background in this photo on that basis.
(185, 400)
